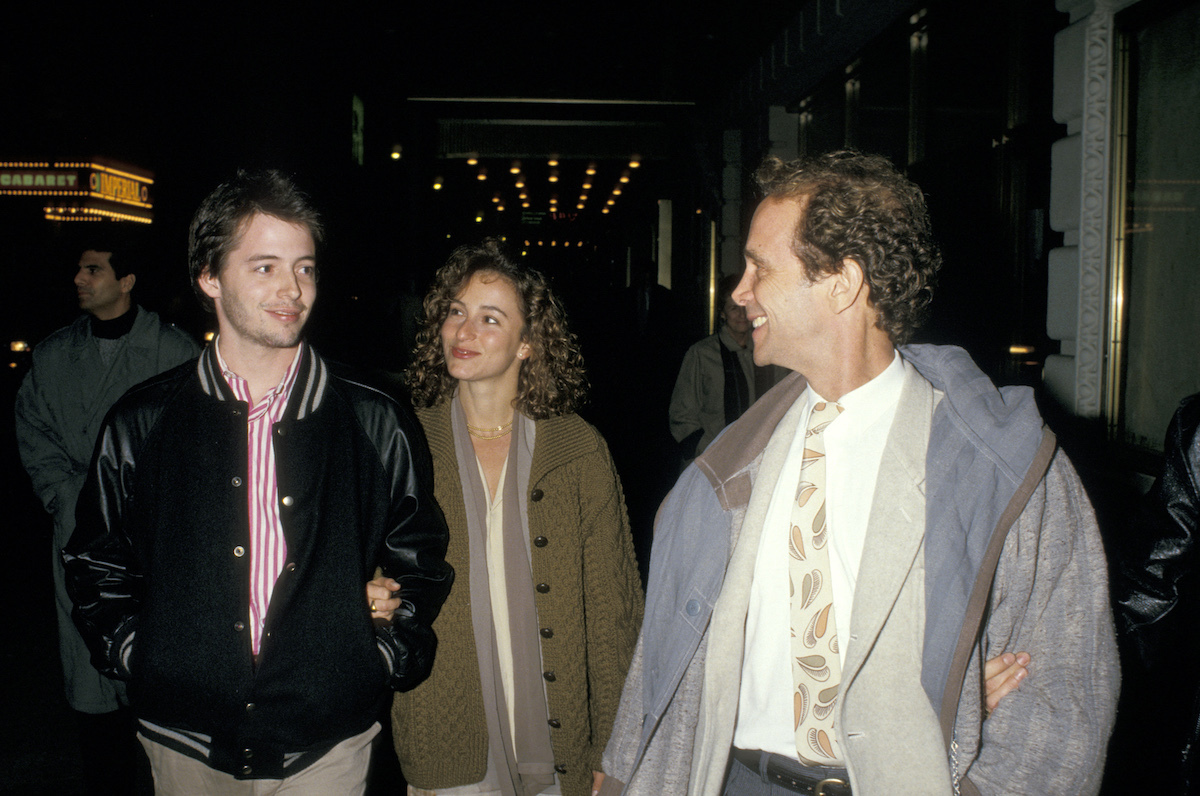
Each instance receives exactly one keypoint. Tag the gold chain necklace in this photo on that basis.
(489, 433)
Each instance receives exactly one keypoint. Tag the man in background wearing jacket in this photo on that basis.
(234, 509)
(78, 373)
(820, 575)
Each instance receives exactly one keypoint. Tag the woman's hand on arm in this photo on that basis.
(383, 597)
(1002, 675)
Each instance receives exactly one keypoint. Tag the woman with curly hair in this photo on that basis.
(536, 637)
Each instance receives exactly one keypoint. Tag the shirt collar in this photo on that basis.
(865, 403)
(238, 384)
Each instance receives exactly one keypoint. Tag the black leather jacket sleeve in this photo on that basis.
(103, 575)
(413, 553)
(1154, 577)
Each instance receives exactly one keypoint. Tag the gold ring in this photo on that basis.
(372, 606)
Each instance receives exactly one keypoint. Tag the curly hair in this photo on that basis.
(551, 381)
(859, 207)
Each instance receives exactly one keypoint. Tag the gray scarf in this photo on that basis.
(523, 761)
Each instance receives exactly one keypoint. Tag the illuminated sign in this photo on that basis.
(105, 190)
(119, 189)
(38, 178)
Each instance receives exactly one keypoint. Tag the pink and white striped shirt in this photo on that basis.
(268, 548)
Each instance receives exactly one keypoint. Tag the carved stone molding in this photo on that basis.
(1096, 137)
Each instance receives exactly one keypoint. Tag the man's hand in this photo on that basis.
(597, 781)
(1003, 674)
(383, 597)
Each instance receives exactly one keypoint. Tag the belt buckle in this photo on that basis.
(819, 788)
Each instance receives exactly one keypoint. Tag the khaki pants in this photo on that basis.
(342, 770)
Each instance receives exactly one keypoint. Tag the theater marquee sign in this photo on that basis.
(95, 190)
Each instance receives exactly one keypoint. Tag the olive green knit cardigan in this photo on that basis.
(589, 604)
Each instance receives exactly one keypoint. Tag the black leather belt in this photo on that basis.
(787, 773)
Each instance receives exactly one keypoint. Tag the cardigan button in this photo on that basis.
(560, 768)
(239, 551)
(288, 500)
(547, 632)
(556, 724)
(236, 480)
(550, 678)
(239, 626)
(541, 541)
(291, 567)
(542, 588)
(536, 495)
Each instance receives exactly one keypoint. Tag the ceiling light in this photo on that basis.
(635, 162)
(515, 168)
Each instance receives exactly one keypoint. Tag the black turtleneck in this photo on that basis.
(114, 328)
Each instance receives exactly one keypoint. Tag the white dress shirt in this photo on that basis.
(854, 444)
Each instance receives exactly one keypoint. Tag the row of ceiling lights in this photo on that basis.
(520, 183)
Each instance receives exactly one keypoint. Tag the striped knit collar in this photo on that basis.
(312, 380)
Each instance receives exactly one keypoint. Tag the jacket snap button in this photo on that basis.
(239, 551)
(247, 771)
(550, 678)
(560, 768)
(540, 541)
(287, 500)
(543, 588)
(547, 632)
(556, 724)
(692, 607)
(239, 625)
(279, 431)
(536, 495)
(247, 753)
(236, 481)
(291, 567)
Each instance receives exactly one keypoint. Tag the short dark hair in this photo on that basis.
(725, 289)
(222, 216)
(125, 248)
(551, 381)
(859, 207)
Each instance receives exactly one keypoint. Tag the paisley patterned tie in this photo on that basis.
(816, 667)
